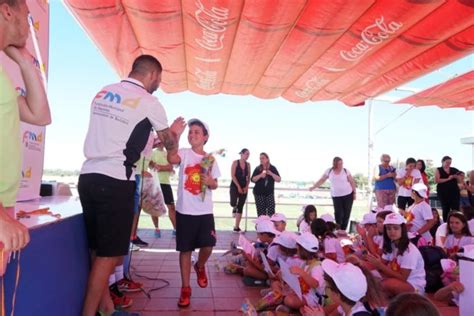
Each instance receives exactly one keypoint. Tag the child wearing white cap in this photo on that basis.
(310, 275)
(419, 215)
(283, 246)
(279, 220)
(309, 215)
(367, 230)
(253, 267)
(346, 286)
(401, 264)
(195, 227)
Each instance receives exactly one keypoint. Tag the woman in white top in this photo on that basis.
(343, 191)
(458, 233)
(401, 265)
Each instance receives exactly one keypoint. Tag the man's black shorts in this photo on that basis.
(107, 205)
(167, 194)
(194, 231)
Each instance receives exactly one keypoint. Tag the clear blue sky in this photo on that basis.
(301, 139)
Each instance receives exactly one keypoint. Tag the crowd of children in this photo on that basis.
(360, 274)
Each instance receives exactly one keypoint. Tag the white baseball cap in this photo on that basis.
(278, 217)
(286, 239)
(369, 218)
(421, 189)
(266, 227)
(195, 120)
(346, 242)
(390, 208)
(349, 279)
(308, 241)
(261, 218)
(394, 218)
(327, 218)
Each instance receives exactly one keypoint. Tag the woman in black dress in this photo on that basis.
(239, 186)
(264, 177)
(447, 188)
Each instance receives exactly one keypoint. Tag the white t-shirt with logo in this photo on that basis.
(332, 245)
(410, 260)
(418, 215)
(121, 119)
(471, 226)
(453, 244)
(340, 185)
(190, 201)
(405, 188)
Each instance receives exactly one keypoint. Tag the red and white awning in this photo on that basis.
(299, 49)
(454, 93)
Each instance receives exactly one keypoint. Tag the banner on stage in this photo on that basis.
(32, 137)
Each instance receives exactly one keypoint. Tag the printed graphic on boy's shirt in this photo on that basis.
(193, 179)
(408, 182)
(409, 216)
(394, 265)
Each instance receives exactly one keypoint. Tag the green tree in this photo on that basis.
(360, 180)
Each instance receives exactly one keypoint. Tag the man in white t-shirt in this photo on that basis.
(406, 178)
(122, 116)
(195, 228)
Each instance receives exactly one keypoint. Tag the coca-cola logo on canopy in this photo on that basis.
(371, 36)
(214, 22)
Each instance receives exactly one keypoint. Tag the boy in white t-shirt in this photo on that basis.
(406, 178)
(198, 175)
(419, 215)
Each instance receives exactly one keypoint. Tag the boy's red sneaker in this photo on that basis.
(201, 275)
(185, 298)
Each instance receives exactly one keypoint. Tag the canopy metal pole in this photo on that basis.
(470, 141)
(370, 152)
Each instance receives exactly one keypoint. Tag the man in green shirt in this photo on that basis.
(159, 162)
(32, 108)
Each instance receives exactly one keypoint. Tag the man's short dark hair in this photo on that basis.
(144, 64)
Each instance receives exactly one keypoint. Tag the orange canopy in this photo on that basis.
(299, 49)
(454, 93)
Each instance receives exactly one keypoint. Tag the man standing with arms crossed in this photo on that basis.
(32, 108)
(122, 116)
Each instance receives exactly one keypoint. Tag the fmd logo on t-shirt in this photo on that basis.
(117, 98)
